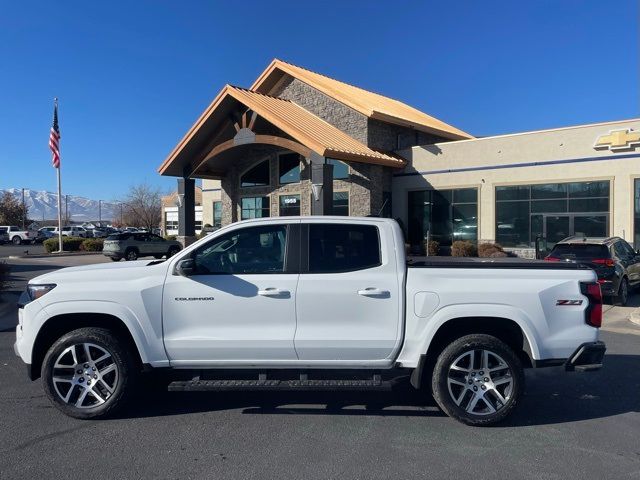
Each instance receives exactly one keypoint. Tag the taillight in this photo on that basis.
(604, 261)
(551, 259)
(593, 312)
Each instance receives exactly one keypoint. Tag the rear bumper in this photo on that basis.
(587, 357)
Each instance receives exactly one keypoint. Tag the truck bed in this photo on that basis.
(497, 263)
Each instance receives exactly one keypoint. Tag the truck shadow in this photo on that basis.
(552, 397)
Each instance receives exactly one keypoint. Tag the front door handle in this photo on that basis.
(274, 292)
(373, 292)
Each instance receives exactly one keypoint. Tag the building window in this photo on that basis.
(289, 205)
(171, 220)
(256, 176)
(636, 217)
(289, 168)
(340, 169)
(341, 203)
(443, 215)
(254, 207)
(553, 211)
(217, 214)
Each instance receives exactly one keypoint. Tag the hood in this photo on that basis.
(97, 271)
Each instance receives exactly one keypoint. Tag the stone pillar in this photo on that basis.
(321, 186)
(186, 211)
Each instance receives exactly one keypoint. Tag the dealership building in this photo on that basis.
(300, 143)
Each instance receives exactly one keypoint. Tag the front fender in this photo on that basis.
(420, 331)
(147, 340)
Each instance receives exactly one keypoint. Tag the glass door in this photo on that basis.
(555, 228)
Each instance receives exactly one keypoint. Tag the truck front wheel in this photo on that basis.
(478, 380)
(88, 373)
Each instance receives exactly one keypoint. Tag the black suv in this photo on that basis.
(615, 262)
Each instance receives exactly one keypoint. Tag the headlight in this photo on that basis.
(36, 291)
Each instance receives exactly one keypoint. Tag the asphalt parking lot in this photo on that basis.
(569, 425)
(8, 250)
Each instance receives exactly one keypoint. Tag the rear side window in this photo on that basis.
(118, 236)
(579, 250)
(335, 248)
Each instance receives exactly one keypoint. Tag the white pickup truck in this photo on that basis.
(308, 303)
(17, 235)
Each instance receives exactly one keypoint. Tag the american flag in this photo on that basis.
(54, 139)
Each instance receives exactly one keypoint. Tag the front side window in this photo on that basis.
(289, 168)
(254, 250)
(335, 248)
(254, 207)
(256, 176)
(289, 205)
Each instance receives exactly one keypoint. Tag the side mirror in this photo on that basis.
(186, 267)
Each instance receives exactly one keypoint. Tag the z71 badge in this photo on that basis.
(568, 302)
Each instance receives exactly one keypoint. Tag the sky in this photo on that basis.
(132, 77)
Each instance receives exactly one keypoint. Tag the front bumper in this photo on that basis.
(587, 357)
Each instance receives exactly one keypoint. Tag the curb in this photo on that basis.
(635, 316)
(53, 255)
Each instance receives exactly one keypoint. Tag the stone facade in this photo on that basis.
(337, 114)
(369, 186)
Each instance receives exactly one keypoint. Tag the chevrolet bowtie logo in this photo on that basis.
(625, 139)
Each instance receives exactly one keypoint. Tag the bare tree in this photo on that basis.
(12, 211)
(142, 206)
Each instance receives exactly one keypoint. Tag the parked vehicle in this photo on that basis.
(4, 235)
(309, 303)
(18, 236)
(130, 246)
(72, 231)
(615, 262)
(99, 233)
(45, 233)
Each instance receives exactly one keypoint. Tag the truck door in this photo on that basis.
(238, 306)
(349, 294)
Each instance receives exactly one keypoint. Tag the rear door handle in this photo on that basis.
(373, 292)
(274, 292)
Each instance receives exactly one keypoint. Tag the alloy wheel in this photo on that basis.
(85, 375)
(480, 382)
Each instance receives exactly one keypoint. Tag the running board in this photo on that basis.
(197, 385)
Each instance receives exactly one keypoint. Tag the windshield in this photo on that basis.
(579, 250)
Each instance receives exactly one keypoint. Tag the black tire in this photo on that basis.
(131, 254)
(127, 372)
(623, 293)
(444, 396)
(172, 251)
(16, 240)
(113, 259)
(158, 256)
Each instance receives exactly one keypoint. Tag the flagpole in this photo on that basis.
(60, 247)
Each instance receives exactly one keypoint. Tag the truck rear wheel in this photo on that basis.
(88, 373)
(478, 380)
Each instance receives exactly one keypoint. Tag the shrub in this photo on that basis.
(69, 244)
(463, 248)
(91, 245)
(488, 249)
(499, 255)
(170, 237)
(4, 275)
(432, 248)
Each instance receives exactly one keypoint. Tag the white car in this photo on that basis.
(308, 303)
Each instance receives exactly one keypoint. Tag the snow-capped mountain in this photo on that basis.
(44, 205)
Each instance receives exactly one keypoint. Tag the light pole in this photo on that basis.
(24, 212)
